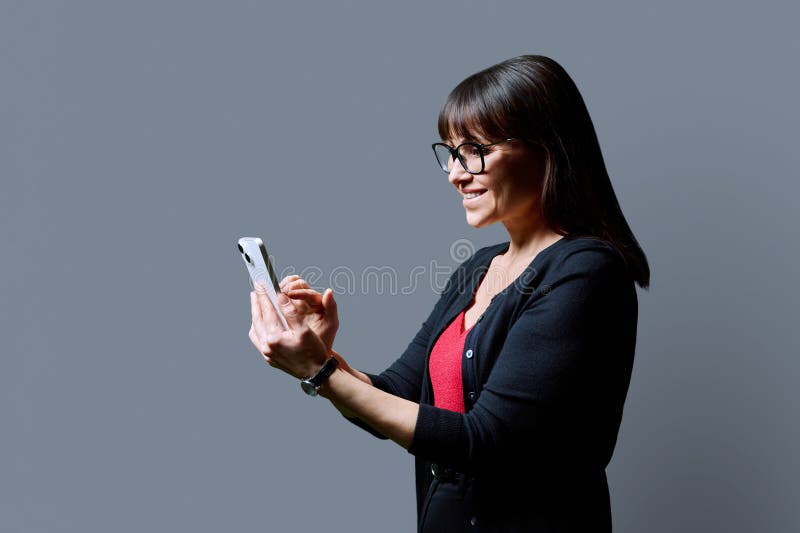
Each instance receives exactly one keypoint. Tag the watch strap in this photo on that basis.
(322, 374)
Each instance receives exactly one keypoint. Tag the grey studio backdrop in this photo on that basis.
(138, 140)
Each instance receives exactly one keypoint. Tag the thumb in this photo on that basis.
(329, 305)
(287, 308)
(284, 302)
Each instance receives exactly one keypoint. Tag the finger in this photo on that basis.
(298, 284)
(256, 340)
(289, 311)
(295, 284)
(330, 308)
(255, 309)
(268, 312)
(259, 327)
(309, 296)
(302, 307)
(287, 279)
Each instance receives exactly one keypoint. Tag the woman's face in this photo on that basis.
(510, 184)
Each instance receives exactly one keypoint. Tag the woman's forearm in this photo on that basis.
(350, 370)
(391, 415)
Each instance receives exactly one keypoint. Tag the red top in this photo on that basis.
(445, 366)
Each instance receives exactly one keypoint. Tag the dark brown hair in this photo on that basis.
(532, 98)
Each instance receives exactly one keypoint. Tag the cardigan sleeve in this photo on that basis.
(536, 378)
(403, 378)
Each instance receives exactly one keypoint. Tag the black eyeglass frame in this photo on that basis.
(455, 153)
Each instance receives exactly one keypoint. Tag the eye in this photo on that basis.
(473, 151)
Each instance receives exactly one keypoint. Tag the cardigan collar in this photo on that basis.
(473, 270)
(473, 274)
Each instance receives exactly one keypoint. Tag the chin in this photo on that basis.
(478, 222)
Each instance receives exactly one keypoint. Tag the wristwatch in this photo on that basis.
(311, 385)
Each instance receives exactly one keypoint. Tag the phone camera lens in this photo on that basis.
(247, 258)
(241, 250)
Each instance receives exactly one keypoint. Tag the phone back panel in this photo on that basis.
(255, 257)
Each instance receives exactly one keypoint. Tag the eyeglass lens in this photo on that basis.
(469, 154)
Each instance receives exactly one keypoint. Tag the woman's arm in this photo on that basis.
(549, 370)
(402, 379)
(383, 404)
(349, 369)
(343, 366)
(390, 415)
(538, 373)
(393, 390)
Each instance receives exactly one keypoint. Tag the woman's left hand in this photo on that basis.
(298, 351)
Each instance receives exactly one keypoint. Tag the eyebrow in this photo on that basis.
(463, 140)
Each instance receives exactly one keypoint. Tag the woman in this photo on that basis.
(510, 395)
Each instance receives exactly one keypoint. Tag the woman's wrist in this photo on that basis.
(333, 386)
(325, 391)
(347, 368)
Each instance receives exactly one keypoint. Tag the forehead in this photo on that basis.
(455, 140)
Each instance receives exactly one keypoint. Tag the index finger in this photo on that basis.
(268, 311)
(288, 279)
(311, 297)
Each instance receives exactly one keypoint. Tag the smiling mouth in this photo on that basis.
(471, 195)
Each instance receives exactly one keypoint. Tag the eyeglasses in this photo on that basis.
(469, 154)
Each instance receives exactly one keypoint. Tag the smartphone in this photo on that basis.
(256, 259)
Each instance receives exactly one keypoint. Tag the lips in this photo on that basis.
(472, 201)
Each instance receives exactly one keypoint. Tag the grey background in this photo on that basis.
(138, 140)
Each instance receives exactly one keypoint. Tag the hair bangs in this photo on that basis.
(473, 112)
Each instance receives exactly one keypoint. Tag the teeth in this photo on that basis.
(472, 195)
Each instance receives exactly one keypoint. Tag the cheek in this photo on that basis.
(518, 195)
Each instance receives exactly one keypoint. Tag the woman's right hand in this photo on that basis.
(319, 309)
(321, 315)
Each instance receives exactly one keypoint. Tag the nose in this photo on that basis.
(458, 175)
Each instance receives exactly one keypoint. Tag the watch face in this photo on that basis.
(309, 388)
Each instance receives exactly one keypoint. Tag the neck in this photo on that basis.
(527, 238)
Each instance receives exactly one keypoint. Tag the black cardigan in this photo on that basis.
(545, 372)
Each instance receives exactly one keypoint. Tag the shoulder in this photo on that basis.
(587, 255)
(584, 279)
(579, 266)
(587, 269)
